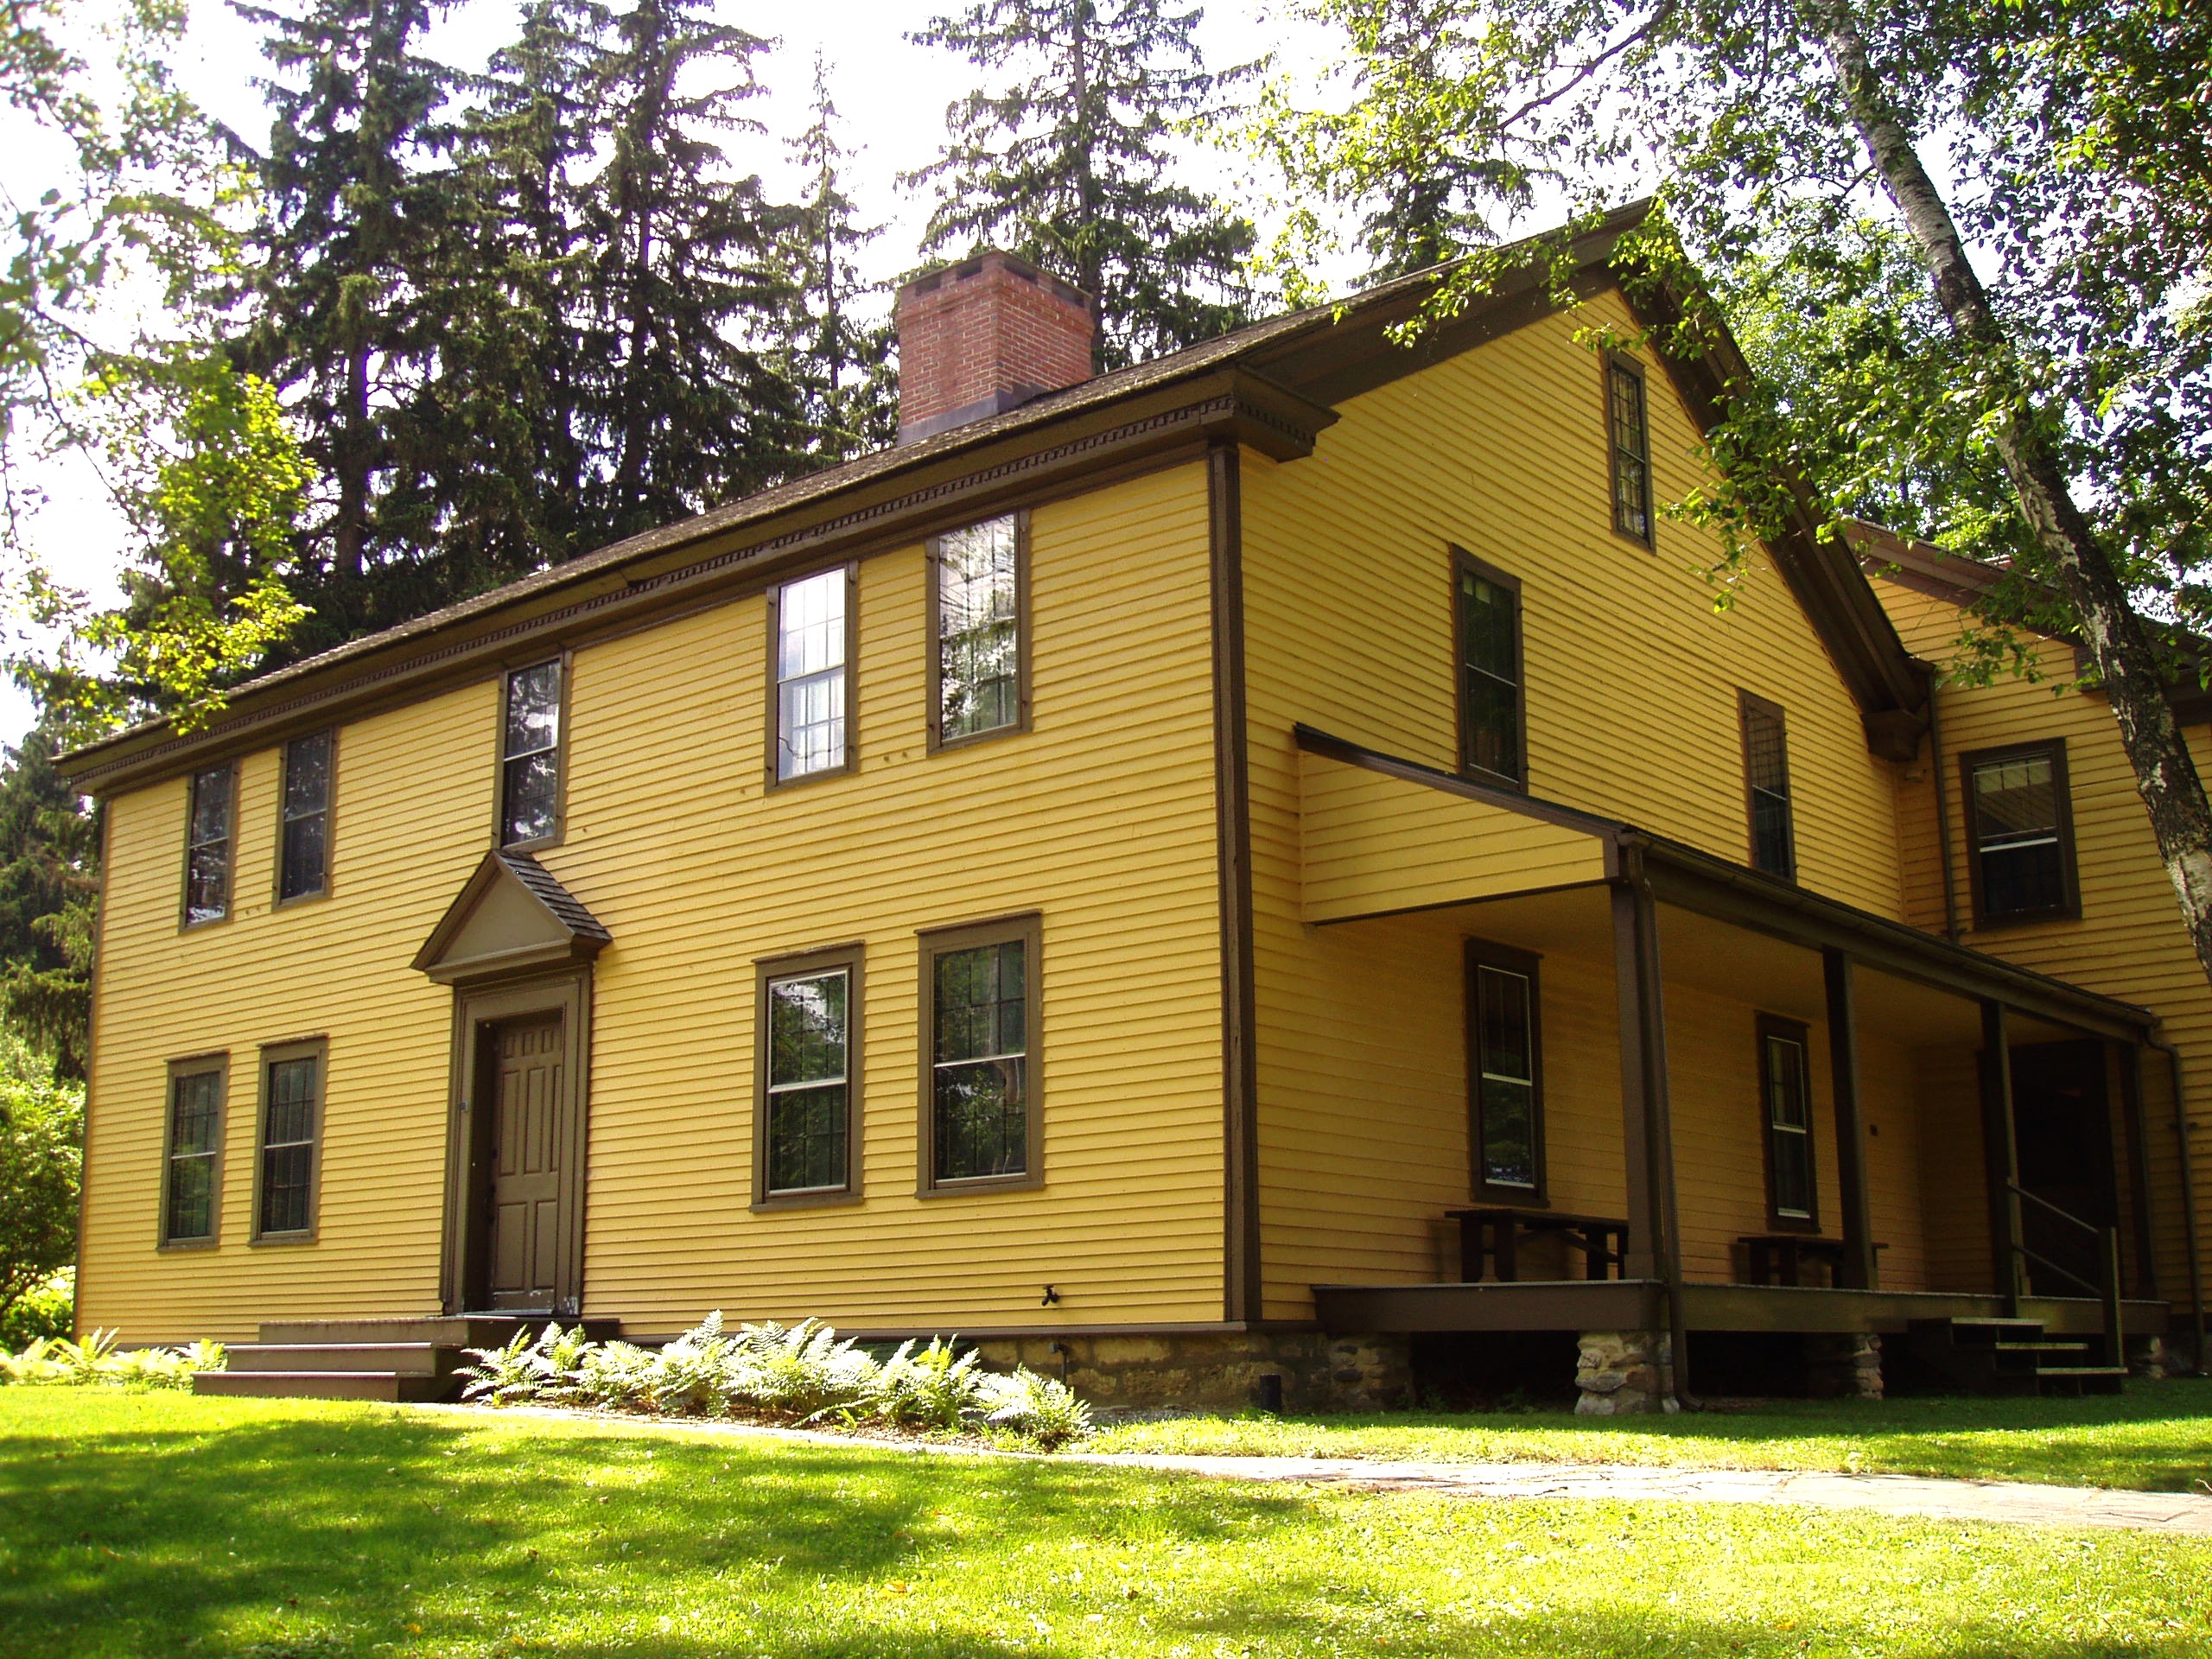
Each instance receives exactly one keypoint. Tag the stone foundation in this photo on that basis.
(1622, 1372)
(1217, 1371)
(2147, 1356)
(1845, 1366)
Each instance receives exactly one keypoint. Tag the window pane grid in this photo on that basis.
(1789, 1127)
(1766, 764)
(195, 1099)
(1505, 1057)
(1632, 455)
(2017, 823)
(530, 769)
(207, 851)
(811, 676)
(303, 863)
(288, 1134)
(979, 629)
(809, 1119)
(979, 1083)
(1489, 660)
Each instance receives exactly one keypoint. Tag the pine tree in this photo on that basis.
(348, 310)
(1068, 164)
(682, 398)
(841, 361)
(49, 882)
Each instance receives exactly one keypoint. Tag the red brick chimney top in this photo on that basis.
(984, 336)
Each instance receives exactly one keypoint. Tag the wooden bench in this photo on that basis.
(1780, 1258)
(1490, 1237)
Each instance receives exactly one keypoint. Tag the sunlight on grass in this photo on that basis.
(141, 1524)
(2156, 1437)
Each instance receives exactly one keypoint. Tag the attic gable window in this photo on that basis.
(530, 757)
(1766, 783)
(303, 830)
(207, 845)
(979, 651)
(810, 624)
(1629, 419)
(2021, 831)
(1486, 609)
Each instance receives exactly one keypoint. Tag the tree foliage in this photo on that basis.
(41, 1158)
(1065, 160)
(843, 365)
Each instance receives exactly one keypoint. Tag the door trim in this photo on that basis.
(475, 1008)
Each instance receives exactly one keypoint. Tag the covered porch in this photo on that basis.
(1701, 1100)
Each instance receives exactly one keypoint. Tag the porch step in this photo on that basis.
(2081, 1379)
(400, 1359)
(464, 1331)
(2006, 1356)
(324, 1385)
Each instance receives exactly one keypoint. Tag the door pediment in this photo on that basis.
(511, 916)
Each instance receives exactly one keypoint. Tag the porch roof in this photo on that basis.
(1564, 846)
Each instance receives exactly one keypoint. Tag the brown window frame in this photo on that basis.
(276, 900)
(2070, 908)
(218, 1064)
(1781, 1027)
(1029, 928)
(185, 920)
(1465, 563)
(932, 560)
(851, 959)
(774, 724)
(565, 661)
(1477, 954)
(1621, 362)
(273, 1054)
(1747, 704)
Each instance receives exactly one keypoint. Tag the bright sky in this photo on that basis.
(892, 95)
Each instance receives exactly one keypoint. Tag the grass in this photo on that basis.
(2155, 1437)
(144, 1524)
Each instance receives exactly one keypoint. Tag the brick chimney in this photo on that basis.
(984, 336)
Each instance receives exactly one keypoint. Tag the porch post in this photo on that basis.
(1858, 1270)
(1641, 1256)
(2139, 1169)
(2001, 1150)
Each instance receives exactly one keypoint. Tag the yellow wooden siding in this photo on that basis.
(1631, 688)
(1102, 818)
(2130, 941)
(1371, 843)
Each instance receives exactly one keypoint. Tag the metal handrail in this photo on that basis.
(2109, 1292)
(2049, 1208)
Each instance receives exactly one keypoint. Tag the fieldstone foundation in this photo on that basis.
(1622, 1372)
(2148, 1356)
(1169, 1370)
(1845, 1366)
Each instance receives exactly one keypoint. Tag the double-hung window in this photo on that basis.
(2020, 835)
(290, 1139)
(980, 1036)
(1786, 1104)
(1629, 423)
(191, 1152)
(530, 757)
(1766, 787)
(207, 844)
(808, 1110)
(978, 656)
(303, 829)
(1486, 611)
(810, 635)
(1506, 1091)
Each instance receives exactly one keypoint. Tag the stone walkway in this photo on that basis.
(2183, 1514)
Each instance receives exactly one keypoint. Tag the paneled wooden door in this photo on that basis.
(523, 1249)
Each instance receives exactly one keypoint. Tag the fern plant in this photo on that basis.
(938, 1388)
(1039, 1408)
(804, 1372)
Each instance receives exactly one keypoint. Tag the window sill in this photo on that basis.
(299, 899)
(1806, 1224)
(205, 922)
(537, 845)
(182, 1246)
(953, 1189)
(844, 1197)
(777, 784)
(280, 1241)
(2025, 918)
(938, 745)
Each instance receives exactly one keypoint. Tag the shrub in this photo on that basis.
(57, 1360)
(47, 1309)
(42, 1138)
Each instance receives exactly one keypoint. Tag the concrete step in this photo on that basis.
(401, 1358)
(2045, 1345)
(325, 1385)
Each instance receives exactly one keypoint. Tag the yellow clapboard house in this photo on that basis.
(1260, 876)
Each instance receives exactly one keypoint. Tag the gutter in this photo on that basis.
(2189, 1244)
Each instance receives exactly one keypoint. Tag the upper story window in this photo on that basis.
(1629, 419)
(810, 1075)
(1766, 783)
(207, 844)
(292, 1133)
(811, 622)
(529, 756)
(2020, 834)
(303, 831)
(191, 1152)
(1501, 1055)
(979, 658)
(981, 1037)
(1487, 613)
(1786, 1094)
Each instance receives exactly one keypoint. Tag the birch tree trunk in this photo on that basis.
(2118, 640)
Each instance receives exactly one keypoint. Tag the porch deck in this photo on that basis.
(1641, 1305)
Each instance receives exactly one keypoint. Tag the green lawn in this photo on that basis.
(157, 1523)
(2156, 1437)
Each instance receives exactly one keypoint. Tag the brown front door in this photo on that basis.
(523, 1247)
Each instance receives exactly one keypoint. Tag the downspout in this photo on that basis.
(2188, 1201)
(1942, 815)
